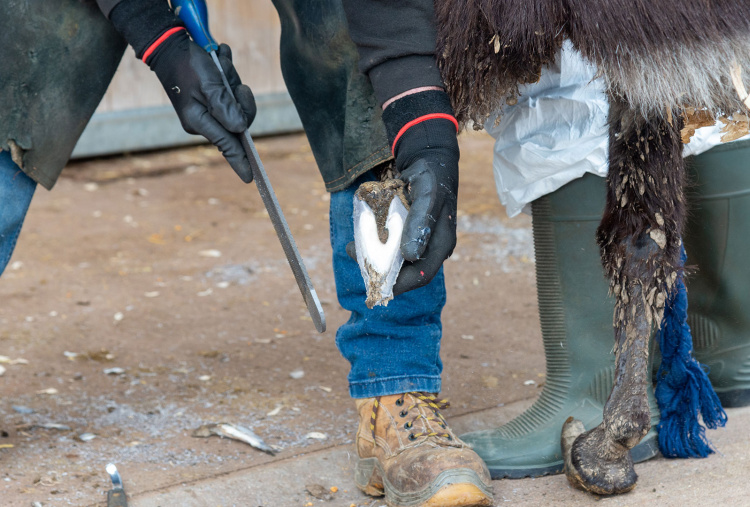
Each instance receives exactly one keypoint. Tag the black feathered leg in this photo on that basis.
(639, 238)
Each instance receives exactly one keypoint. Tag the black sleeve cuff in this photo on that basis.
(141, 22)
(398, 75)
(428, 135)
(411, 107)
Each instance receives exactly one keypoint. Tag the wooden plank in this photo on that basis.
(250, 27)
(150, 128)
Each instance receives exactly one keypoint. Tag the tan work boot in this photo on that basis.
(408, 453)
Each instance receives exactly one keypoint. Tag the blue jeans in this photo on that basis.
(392, 349)
(16, 191)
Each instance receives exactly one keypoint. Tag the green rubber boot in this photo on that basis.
(576, 316)
(717, 240)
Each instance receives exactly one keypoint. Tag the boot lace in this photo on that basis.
(420, 399)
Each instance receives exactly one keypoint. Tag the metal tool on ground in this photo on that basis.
(116, 496)
(195, 16)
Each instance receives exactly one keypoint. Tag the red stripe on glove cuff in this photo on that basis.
(432, 116)
(166, 35)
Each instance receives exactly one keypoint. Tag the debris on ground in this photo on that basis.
(234, 432)
(101, 355)
(319, 492)
(7, 360)
(50, 479)
(210, 253)
(275, 411)
(46, 426)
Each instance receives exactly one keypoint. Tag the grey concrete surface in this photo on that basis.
(721, 479)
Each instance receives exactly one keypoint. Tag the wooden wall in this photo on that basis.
(136, 115)
(250, 27)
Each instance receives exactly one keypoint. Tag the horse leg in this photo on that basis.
(639, 238)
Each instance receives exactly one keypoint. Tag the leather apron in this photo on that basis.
(333, 98)
(56, 60)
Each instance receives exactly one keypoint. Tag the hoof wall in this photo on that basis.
(594, 464)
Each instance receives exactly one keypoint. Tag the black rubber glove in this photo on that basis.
(422, 132)
(190, 77)
(203, 104)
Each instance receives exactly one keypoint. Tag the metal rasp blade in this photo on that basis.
(194, 14)
(268, 196)
(284, 234)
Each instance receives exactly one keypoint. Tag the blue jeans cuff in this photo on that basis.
(394, 385)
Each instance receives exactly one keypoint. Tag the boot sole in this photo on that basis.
(645, 450)
(734, 399)
(460, 487)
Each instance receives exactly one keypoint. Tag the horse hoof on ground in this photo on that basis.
(595, 464)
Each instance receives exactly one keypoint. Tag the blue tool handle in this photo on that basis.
(195, 16)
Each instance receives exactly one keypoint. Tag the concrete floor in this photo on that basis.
(720, 479)
(165, 266)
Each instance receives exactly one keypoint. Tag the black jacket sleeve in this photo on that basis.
(396, 41)
(107, 5)
(141, 22)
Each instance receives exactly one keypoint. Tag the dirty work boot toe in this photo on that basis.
(408, 453)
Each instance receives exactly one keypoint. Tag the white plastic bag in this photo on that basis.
(557, 132)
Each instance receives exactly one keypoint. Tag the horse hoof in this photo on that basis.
(593, 463)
